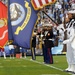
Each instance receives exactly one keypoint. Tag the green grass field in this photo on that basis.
(29, 67)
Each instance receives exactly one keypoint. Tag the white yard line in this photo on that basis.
(8, 59)
(47, 66)
(1, 66)
(24, 66)
(50, 74)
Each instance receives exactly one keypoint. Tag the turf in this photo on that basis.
(29, 67)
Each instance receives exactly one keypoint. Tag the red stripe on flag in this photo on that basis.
(34, 4)
(46, 1)
(40, 2)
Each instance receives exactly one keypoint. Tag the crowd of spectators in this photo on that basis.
(56, 11)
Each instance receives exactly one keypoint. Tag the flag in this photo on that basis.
(38, 4)
(21, 20)
(3, 25)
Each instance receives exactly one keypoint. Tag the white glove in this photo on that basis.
(65, 41)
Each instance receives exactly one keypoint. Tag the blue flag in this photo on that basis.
(21, 20)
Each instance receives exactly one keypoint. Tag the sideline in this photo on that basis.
(47, 65)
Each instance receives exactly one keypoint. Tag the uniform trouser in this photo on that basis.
(47, 53)
(44, 52)
(70, 54)
(33, 53)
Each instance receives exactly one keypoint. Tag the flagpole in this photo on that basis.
(64, 48)
(50, 17)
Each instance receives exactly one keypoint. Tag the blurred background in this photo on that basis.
(54, 18)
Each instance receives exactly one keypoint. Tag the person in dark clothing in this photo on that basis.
(34, 41)
(17, 49)
(33, 47)
(48, 44)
